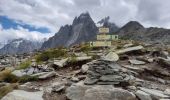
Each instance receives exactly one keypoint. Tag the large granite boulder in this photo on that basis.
(98, 92)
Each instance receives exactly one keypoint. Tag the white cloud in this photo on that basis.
(8, 34)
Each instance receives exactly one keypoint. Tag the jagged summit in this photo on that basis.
(83, 29)
(84, 17)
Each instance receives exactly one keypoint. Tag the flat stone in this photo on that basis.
(130, 49)
(143, 95)
(111, 78)
(57, 87)
(74, 79)
(23, 95)
(61, 63)
(47, 75)
(107, 83)
(90, 81)
(155, 93)
(137, 62)
(83, 58)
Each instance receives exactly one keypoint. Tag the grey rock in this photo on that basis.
(74, 79)
(57, 87)
(47, 75)
(111, 56)
(143, 95)
(167, 91)
(137, 62)
(23, 95)
(130, 49)
(18, 73)
(84, 68)
(76, 92)
(155, 93)
(98, 92)
(111, 78)
(90, 81)
(61, 63)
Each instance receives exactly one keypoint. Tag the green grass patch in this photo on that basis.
(24, 65)
(7, 76)
(50, 54)
(85, 48)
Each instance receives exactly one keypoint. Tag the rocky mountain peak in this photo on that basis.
(133, 25)
(84, 17)
(83, 29)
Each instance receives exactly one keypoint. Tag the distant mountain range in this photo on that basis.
(84, 29)
(19, 46)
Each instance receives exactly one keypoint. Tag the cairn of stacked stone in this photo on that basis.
(107, 73)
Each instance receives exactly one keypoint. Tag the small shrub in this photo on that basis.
(49, 54)
(42, 57)
(85, 48)
(10, 78)
(27, 78)
(24, 65)
(73, 59)
(4, 74)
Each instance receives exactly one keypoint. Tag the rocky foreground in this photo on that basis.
(126, 71)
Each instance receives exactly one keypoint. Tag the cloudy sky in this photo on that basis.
(36, 19)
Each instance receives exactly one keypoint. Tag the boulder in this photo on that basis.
(111, 56)
(143, 95)
(98, 92)
(23, 95)
(76, 92)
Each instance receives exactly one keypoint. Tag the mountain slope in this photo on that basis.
(19, 46)
(83, 29)
(134, 30)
